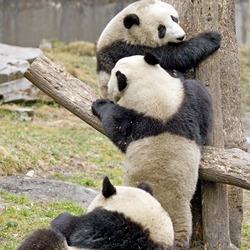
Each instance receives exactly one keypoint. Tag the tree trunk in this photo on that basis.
(197, 16)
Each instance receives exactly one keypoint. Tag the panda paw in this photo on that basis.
(213, 37)
(97, 106)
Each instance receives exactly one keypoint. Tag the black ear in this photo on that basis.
(146, 187)
(107, 188)
(122, 80)
(130, 20)
(151, 59)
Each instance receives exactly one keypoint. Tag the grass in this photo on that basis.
(56, 143)
(245, 236)
(20, 216)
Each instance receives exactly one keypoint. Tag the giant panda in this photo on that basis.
(160, 122)
(150, 26)
(119, 218)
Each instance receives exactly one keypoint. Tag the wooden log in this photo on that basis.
(64, 88)
(229, 166)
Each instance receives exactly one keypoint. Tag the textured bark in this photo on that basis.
(230, 166)
(231, 107)
(65, 89)
(197, 16)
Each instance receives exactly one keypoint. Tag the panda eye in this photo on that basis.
(175, 19)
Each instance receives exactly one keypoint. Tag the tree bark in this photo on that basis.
(228, 166)
(231, 107)
(65, 89)
(197, 16)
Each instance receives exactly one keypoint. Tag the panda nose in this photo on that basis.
(180, 38)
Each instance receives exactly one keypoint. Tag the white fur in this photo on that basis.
(142, 208)
(167, 161)
(170, 164)
(151, 13)
(159, 93)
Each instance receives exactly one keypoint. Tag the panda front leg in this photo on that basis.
(188, 54)
(117, 122)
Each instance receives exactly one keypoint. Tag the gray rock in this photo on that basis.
(23, 53)
(18, 90)
(47, 189)
(12, 68)
(15, 61)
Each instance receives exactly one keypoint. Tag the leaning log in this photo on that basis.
(230, 166)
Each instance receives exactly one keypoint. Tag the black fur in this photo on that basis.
(192, 121)
(122, 80)
(107, 188)
(151, 59)
(146, 187)
(104, 230)
(179, 56)
(43, 239)
(161, 31)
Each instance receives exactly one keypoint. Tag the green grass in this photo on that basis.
(245, 237)
(20, 216)
(56, 140)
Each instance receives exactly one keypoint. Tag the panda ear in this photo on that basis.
(146, 187)
(130, 20)
(122, 80)
(107, 188)
(151, 59)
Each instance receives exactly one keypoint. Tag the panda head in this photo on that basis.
(140, 83)
(146, 22)
(139, 205)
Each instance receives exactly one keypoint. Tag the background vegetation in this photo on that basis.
(56, 144)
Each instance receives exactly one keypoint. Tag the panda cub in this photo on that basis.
(151, 26)
(119, 218)
(159, 122)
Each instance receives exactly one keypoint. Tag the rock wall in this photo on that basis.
(27, 22)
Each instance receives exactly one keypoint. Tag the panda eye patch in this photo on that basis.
(161, 31)
(175, 19)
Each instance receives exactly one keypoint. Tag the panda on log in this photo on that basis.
(151, 26)
(159, 122)
(119, 218)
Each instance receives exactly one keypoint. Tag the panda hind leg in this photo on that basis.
(182, 221)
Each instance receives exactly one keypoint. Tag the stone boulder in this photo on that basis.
(13, 63)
